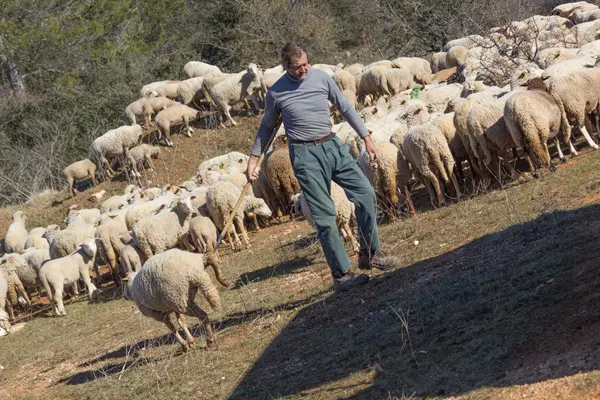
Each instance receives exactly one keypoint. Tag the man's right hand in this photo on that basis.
(252, 171)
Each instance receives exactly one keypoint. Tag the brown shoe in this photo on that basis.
(369, 259)
(343, 281)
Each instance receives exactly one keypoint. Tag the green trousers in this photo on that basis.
(315, 166)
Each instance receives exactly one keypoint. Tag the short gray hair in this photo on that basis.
(289, 50)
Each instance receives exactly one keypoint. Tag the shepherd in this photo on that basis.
(300, 97)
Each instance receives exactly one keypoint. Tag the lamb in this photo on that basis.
(469, 42)
(168, 90)
(533, 117)
(78, 171)
(438, 97)
(210, 82)
(16, 235)
(553, 55)
(203, 235)
(577, 95)
(418, 67)
(263, 190)
(114, 143)
(140, 155)
(445, 124)
(150, 89)
(168, 283)
(54, 274)
(173, 116)
(147, 107)
(395, 80)
(370, 83)
(21, 276)
(345, 80)
(220, 200)
(344, 212)
(227, 163)
(425, 147)
(580, 16)
(164, 230)
(280, 174)
(194, 69)
(455, 57)
(108, 243)
(236, 89)
(36, 240)
(80, 228)
(146, 209)
(135, 109)
(130, 258)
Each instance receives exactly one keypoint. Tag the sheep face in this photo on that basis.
(259, 207)
(19, 216)
(89, 247)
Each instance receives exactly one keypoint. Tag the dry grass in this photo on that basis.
(498, 300)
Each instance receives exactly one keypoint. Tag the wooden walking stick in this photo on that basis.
(248, 185)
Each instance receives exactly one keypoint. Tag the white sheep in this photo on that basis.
(114, 143)
(168, 283)
(194, 69)
(354, 69)
(533, 117)
(426, 148)
(438, 97)
(220, 200)
(577, 95)
(145, 209)
(54, 274)
(227, 163)
(142, 155)
(130, 257)
(235, 89)
(345, 80)
(179, 114)
(168, 90)
(344, 212)
(418, 67)
(369, 83)
(396, 80)
(553, 55)
(445, 123)
(78, 171)
(469, 42)
(280, 174)
(164, 230)
(565, 10)
(150, 89)
(203, 235)
(147, 107)
(580, 16)
(188, 89)
(108, 243)
(16, 235)
(36, 240)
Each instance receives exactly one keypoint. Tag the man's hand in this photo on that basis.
(372, 148)
(251, 171)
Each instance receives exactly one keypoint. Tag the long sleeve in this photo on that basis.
(265, 130)
(349, 113)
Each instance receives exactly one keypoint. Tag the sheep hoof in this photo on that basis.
(536, 175)
(563, 160)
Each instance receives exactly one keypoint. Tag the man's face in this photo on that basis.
(298, 67)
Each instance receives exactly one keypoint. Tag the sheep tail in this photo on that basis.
(436, 158)
(46, 286)
(202, 281)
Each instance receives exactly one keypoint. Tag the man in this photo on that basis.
(318, 157)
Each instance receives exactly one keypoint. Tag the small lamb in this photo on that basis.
(16, 235)
(78, 171)
(55, 274)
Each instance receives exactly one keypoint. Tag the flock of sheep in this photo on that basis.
(425, 127)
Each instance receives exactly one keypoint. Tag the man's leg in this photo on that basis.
(350, 177)
(313, 171)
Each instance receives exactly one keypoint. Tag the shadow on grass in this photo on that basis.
(514, 307)
(262, 274)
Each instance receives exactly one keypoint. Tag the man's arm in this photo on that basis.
(265, 130)
(351, 116)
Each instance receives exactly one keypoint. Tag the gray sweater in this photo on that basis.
(304, 109)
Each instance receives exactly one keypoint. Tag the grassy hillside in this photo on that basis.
(495, 298)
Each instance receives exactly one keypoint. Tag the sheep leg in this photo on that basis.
(58, 299)
(188, 129)
(238, 243)
(572, 149)
(168, 135)
(166, 319)
(92, 174)
(147, 120)
(561, 156)
(551, 166)
(195, 311)
(587, 137)
(9, 309)
(228, 115)
(188, 336)
(188, 243)
(219, 274)
(70, 182)
(255, 221)
(91, 288)
(455, 184)
(240, 225)
(230, 241)
(411, 206)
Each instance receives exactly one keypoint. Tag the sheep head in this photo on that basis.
(257, 206)
(19, 216)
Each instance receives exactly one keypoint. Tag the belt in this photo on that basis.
(314, 142)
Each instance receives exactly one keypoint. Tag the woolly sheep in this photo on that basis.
(135, 109)
(469, 42)
(179, 114)
(168, 283)
(164, 230)
(168, 90)
(263, 190)
(345, 80)
(211, 81)
(565, 10)
(16, 235)
(36, 240)
(396, 80)
(26, 275)
(220, 200)
(235, 89)
(438, 97)
(108, 243)
(578, 94)
(142, 155)
(203, 235)
(130, 258)
(78, 171)
(228, 163)
(488, 133)
(425, 147)
(189, 89)
(344, 212)
(418, 67)
(354, 69)
(533, 117)
(280, 174)
(114, 143)
(445, 124)
(370, 83)
(586, 32)
(195, 69)
(455, 57)
(67, 270)
(553, 55)
(588, 50)
(145, 209)
(580, 16)
(150, 89)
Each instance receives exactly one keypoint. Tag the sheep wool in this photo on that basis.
(78, 171)
(35, 239)
(16, 235)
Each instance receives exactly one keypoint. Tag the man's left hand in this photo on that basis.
(372, 148)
